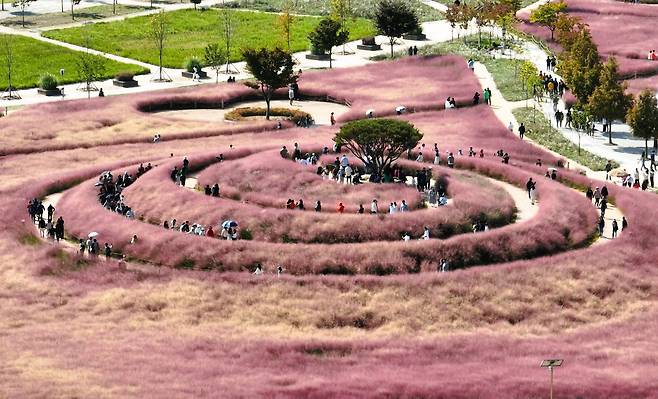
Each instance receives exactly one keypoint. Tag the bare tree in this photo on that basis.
(159, 31)
(74, 2)
(22, 4)
(8, 55)
(90, 67)
(228, 25)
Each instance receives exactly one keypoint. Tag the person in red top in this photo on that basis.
(210, 233)
(340, 208)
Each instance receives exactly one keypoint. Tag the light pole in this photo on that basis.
(551, 364)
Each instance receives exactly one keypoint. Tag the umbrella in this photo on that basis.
(619, 172)
(400, 108)
(229, 223)
(552, 169)
(93, 234)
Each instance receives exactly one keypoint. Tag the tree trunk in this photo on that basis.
(330, 64)
(646, 148)
(62, 5)
(3, 5)
(391, 41)
(610, 135)
(23, 15)
(267, 109)
(72, 15)
(114, 7)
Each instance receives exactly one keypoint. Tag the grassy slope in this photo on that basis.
(540, 131)
(360, 8)
(60, 18)
(51, 58)
(192, 31)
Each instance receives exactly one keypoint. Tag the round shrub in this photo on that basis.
(48, 82)
(191, 63)
(124, 76)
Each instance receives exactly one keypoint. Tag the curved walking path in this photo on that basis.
(503, 110)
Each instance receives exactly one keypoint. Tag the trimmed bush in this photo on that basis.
(124, 76)
(48, 82)
(191, 63)
(240, 114)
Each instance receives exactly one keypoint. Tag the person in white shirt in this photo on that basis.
(348, 174)
(344, 161)
(419, 158)
(426, 233)
(373, 206)
(406, 237)
(392, 208)
(404, 207)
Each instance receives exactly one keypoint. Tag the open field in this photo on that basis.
(360, 8)
(540, 291)
(51, 58)
(192, 30)
(61, 18)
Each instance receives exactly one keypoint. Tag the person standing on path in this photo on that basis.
(521, 131)
(291, 93)
(601, 226)
(487, 96)
(624, 223)
(615, 228)
(529, 185)
(332, 119)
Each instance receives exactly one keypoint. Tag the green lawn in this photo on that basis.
(360, 8)
(32, 58)
(540, 130)
(61, 18)
(192, 30)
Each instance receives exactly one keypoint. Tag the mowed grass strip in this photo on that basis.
(540, 130)
(190, 32)
(32, 58)
(360, 8)
(62, 18)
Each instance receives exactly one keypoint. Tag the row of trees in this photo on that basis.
(598, 87)
(23, 4)
(484, 13)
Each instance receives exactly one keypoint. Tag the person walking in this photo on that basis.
(332, 119)
(608, 168)
(601, 226)
(521, 131)
(624, 223)
(529, 185)
(373, 207)
(291, 93)
(487, 96)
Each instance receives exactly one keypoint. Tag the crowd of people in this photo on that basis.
(48, 227)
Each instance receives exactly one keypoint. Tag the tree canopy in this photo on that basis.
(547, 15)
(271, 69)
(378, 142)
(608, 101)
(643, 117)
(580, 66)
(214, 56)
(394, 18)
(329, 33)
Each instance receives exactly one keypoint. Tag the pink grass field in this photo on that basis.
(625, 30)
(78, 327)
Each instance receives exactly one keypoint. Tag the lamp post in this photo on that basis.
(551, 364)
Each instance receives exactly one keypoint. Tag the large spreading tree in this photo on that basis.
(271, 69)
(327, 34)
(378, 142)
(643, 118)
(547, 15)
(609, 101)
(394, 18)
